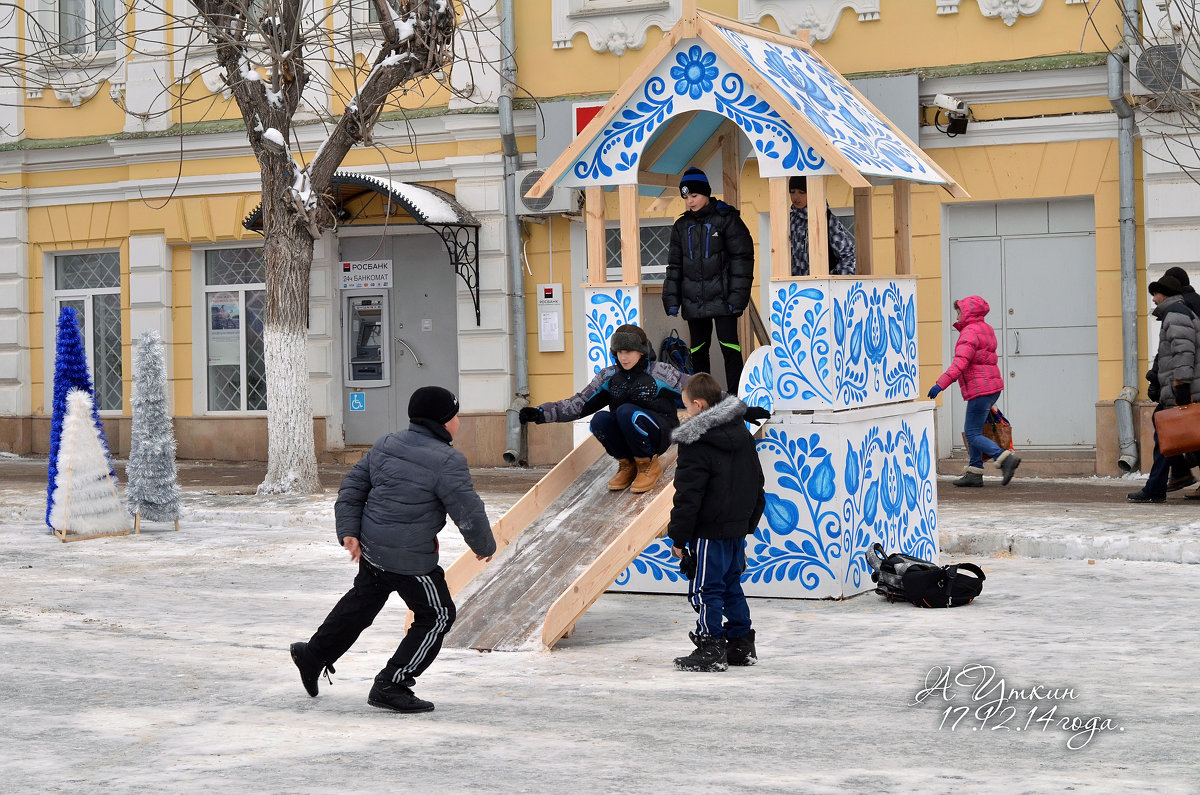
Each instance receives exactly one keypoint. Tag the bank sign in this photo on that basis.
(373, 273)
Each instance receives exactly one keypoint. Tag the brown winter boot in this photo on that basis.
(648, 473)
(626, 471)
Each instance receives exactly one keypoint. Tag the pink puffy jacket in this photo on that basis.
(974, 366)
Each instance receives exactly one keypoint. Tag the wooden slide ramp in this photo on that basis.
(560, 547)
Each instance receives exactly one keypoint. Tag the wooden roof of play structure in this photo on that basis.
(800, 115)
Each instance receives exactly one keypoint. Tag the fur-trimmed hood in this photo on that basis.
(728, 410)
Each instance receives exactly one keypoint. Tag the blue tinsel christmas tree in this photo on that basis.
(70, 372)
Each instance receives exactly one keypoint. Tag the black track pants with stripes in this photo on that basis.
(426, 595)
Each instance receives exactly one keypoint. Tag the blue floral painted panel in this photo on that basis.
(833, 490)
(829, 104)
(607, 308)
(835, 344)
(691, 78)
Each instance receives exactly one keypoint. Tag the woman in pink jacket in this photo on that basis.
(974, 368)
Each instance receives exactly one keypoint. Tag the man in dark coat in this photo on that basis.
(710, 270)
(389, 510)
(1181, 465)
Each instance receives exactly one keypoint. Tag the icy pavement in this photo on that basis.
(159, 663)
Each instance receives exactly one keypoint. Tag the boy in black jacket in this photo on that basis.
(719, 499)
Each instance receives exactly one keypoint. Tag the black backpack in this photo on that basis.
(900, 577)
(675, 352)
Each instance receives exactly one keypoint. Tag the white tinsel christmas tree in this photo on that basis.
(152, 492)
(86, 503)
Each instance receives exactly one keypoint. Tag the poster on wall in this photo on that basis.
(224, 328)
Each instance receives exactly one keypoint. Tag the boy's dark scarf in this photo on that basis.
(436, 428)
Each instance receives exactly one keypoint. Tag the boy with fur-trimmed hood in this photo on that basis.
(719, 499)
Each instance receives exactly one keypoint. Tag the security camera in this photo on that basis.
(950, 104)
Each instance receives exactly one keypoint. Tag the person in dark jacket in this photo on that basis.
(391, 506)
(710, 270)
(1176, 363)
(641, 400)
(719, 499)
(1181, 465)
(841, 242)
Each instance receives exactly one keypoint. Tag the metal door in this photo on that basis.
(1035, 264)
(419, 341)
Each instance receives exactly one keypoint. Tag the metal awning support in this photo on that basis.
(428, 206)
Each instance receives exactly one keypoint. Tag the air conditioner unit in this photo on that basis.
(557, 200)
(1158, 70)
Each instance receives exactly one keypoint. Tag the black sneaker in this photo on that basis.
(708, 657)
(310, 668)
(740, 651)
(1181, 482)
(1008, 465)
(397, 698)
(1142, 496)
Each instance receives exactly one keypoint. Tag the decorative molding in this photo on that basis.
(611, 26)
(819, 17)
(1008, 10)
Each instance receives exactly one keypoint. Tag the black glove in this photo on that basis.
(1183, 393)
(1154, 391)
(757, 414)
(687, 564)
(532, 414)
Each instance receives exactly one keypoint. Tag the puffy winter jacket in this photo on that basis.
(974, 365)
(710, 266)
(396, 498)
(1178, 349)
(718, 478)
(655, 387)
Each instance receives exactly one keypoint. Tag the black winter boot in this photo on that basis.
(398, 698)
(740, 651)
(708, 657)
(310, 668)
(1009, 461)
(971, 477)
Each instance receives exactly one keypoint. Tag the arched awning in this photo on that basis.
(426, 205)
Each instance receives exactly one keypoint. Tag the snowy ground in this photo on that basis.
(159, 663)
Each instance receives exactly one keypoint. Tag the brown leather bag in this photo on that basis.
(1178, 429)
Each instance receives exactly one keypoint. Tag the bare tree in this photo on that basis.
(284, 62)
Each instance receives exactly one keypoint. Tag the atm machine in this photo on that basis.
(366, 338)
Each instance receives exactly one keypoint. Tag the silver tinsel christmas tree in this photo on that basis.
(153, 489)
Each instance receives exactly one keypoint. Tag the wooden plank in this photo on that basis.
(505, 607)
(818, 228)
(780, 214)
(528, 508)
(664, 140)
(668, 182)
(902, 211)
(864, 250)
(631, 235)
(605, 569)
(731, 171)
(597, 253)
(66, 536)
(756, 323)
(685, 28)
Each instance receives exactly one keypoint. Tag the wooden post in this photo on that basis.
(818, 228)
(780, 208)
(864, 254)
(137, 523)
(631, 235)
(731, 173)
(902, 210)
(593, 202)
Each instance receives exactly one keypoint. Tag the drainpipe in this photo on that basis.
(1117, 61)
(516, 441)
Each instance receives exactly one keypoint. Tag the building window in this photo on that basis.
(87, 26)
(235, 305)
(91, 285)
(656, 245)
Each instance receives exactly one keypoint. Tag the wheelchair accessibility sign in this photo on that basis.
(358, 401)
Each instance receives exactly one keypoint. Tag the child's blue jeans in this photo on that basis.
(716, 591)
(629, 431)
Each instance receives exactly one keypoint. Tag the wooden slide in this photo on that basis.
(559, 547)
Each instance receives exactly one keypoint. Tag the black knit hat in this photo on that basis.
(1167, 285)
(629, 338)
(432, 403)
(694, 181)
(1178, 274)
(798, 183)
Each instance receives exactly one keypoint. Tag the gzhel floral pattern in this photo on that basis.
(607, 308)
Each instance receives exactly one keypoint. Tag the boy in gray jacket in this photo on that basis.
(389, 510)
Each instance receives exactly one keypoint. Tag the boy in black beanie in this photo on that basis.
(389, 510)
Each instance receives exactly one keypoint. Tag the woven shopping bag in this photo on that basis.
(997, 428)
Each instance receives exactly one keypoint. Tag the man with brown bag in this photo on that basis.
(1178, 355)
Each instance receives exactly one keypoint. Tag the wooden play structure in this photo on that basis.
(848, 452)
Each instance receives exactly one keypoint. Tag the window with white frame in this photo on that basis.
(656, 245)
(90, 283)
(235, 306)
(86, 26)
